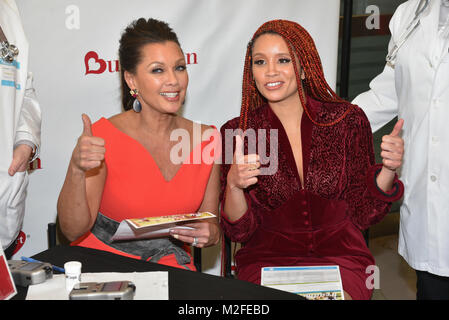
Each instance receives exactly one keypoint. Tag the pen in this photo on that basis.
(55, 268)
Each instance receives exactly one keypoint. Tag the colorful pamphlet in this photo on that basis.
(156, 227)
(313, 283)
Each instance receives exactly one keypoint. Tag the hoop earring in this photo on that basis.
(137, 107)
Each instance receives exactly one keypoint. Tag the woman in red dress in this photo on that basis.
(326, 187)
(123, 167)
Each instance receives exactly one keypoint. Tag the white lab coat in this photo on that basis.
(20, 119)
(417, 90)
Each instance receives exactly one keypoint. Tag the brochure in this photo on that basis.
(313, 283)
(156, 227)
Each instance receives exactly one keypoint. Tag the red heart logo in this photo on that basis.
(101, 62)
(20, 242)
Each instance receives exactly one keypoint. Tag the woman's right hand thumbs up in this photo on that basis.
(245, 168)
(89, 150)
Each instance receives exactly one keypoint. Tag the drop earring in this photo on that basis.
(137, 107)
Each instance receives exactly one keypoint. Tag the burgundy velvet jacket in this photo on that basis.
(321, 224)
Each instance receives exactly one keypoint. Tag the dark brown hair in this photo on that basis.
(138, 34)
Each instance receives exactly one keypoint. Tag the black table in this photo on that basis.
(183, 284)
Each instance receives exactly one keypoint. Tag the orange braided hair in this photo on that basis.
(300, 42)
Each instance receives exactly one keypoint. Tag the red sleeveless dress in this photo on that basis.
(135, 187)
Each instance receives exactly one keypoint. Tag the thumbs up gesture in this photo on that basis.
(89, 150)
(392, 147)
(245, 168)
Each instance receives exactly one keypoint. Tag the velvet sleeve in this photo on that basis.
(367, 203)
(241, 229)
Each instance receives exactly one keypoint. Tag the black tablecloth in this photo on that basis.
(183, 284)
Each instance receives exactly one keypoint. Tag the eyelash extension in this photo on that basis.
(282, 60)
(160, 70)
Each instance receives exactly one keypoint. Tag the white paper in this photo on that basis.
(149, 285)
(126, 232)
(313, 283)
(156, 227)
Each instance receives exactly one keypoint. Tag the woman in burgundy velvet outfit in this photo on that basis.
(325, 188)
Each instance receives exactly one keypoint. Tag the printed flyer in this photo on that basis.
(154, 227)
(313, 283)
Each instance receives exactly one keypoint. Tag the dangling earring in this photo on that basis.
(137, 107)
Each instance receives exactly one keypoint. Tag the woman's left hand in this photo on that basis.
(206, 233)
(392, 147)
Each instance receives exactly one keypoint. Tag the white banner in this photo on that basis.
(74, 59)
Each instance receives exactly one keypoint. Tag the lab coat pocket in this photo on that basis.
(18, 189)
(13, 194)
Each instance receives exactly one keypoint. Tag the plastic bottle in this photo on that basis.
(72, 274)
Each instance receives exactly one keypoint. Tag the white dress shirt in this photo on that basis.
(417, 90)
